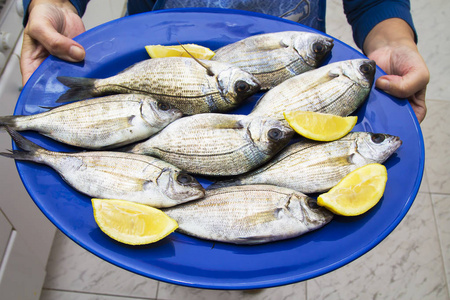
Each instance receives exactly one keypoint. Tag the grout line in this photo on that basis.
(442, 251)
(96, 294)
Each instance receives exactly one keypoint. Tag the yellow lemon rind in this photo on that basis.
(161, 51)
(131, 239)
(327, 122)
(331, 201)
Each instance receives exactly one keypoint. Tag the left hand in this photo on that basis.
(391, 45)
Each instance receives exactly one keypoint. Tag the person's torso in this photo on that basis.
(308, 12)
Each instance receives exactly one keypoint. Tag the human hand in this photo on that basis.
(50, 29)
(399, 57)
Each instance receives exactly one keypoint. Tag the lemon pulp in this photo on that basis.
(132, 223)
(159, 51)
(319, 126)
(357, 192)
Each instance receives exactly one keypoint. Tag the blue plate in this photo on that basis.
(188, 261)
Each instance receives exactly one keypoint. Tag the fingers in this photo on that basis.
(56, 43)
(403, 86)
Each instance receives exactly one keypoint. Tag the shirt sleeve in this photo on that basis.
(80, 5)
(363, 15)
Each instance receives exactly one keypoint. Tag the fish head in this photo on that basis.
(178, 186)
(306, 210)
(376, 147)
(360, 71)
(235, 85)
(270, 135)
(312, 47)
(156, 112)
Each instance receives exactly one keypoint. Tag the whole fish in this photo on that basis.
(274, 57)
(251, 214)
(338, 88)
(115, 175)
(193, 86)
(313, 167)
(99, 123)
(217, 144)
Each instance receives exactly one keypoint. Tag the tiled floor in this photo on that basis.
(411, 263)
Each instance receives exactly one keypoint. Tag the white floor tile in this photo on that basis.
(72, 268)
(406, 265)
(436, 131)
(432, 20)
(173, 292)
(65, 295)
(441, 204)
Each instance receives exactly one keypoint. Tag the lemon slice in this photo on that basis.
(357, 192)
(319, 126)
(159, 51)
(132, 223)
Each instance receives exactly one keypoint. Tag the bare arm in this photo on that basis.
(51, 26)
(391, 44)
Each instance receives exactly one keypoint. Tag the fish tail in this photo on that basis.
(79, 88)
(8, 121)
(29, 148)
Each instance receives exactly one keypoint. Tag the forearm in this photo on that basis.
(364, 15)
(388, 33)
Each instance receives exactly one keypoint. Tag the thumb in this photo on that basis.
(402, 86)
(60, 46)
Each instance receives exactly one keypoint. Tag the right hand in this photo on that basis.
(50, 29)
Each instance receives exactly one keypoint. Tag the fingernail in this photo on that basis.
(383, 84)
(76, 53)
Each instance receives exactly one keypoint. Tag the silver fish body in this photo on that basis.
(115, 175)
(99, 123)
(217, 144)
(181, 82)
(313, 167)
(274, 57)
(252, 214)
(338, 88)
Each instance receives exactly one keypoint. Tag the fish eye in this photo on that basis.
(312, 203)
(365, 68)
(184, 178)
(275, 134)
(318, 48)
(378, 138)
(242, 86)
(163, 106)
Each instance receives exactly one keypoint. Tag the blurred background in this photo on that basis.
(39, 262)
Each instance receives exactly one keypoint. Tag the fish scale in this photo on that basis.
(216, 144)
(99, 123)
(114, 175)
(275, 57)
(193, 86)
(338, 88)
(250, 214)
(313, 167)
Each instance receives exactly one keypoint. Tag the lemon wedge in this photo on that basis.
(159, 51)
(319, 126)
(357, 192)
(132, 223)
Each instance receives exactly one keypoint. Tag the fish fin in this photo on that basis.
(260, 217)
(79, 88)
(7, 121)
(29, 148)
(259, 239)
(208, 69)
(47, 107)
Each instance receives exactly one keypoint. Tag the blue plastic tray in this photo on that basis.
(193, 262)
